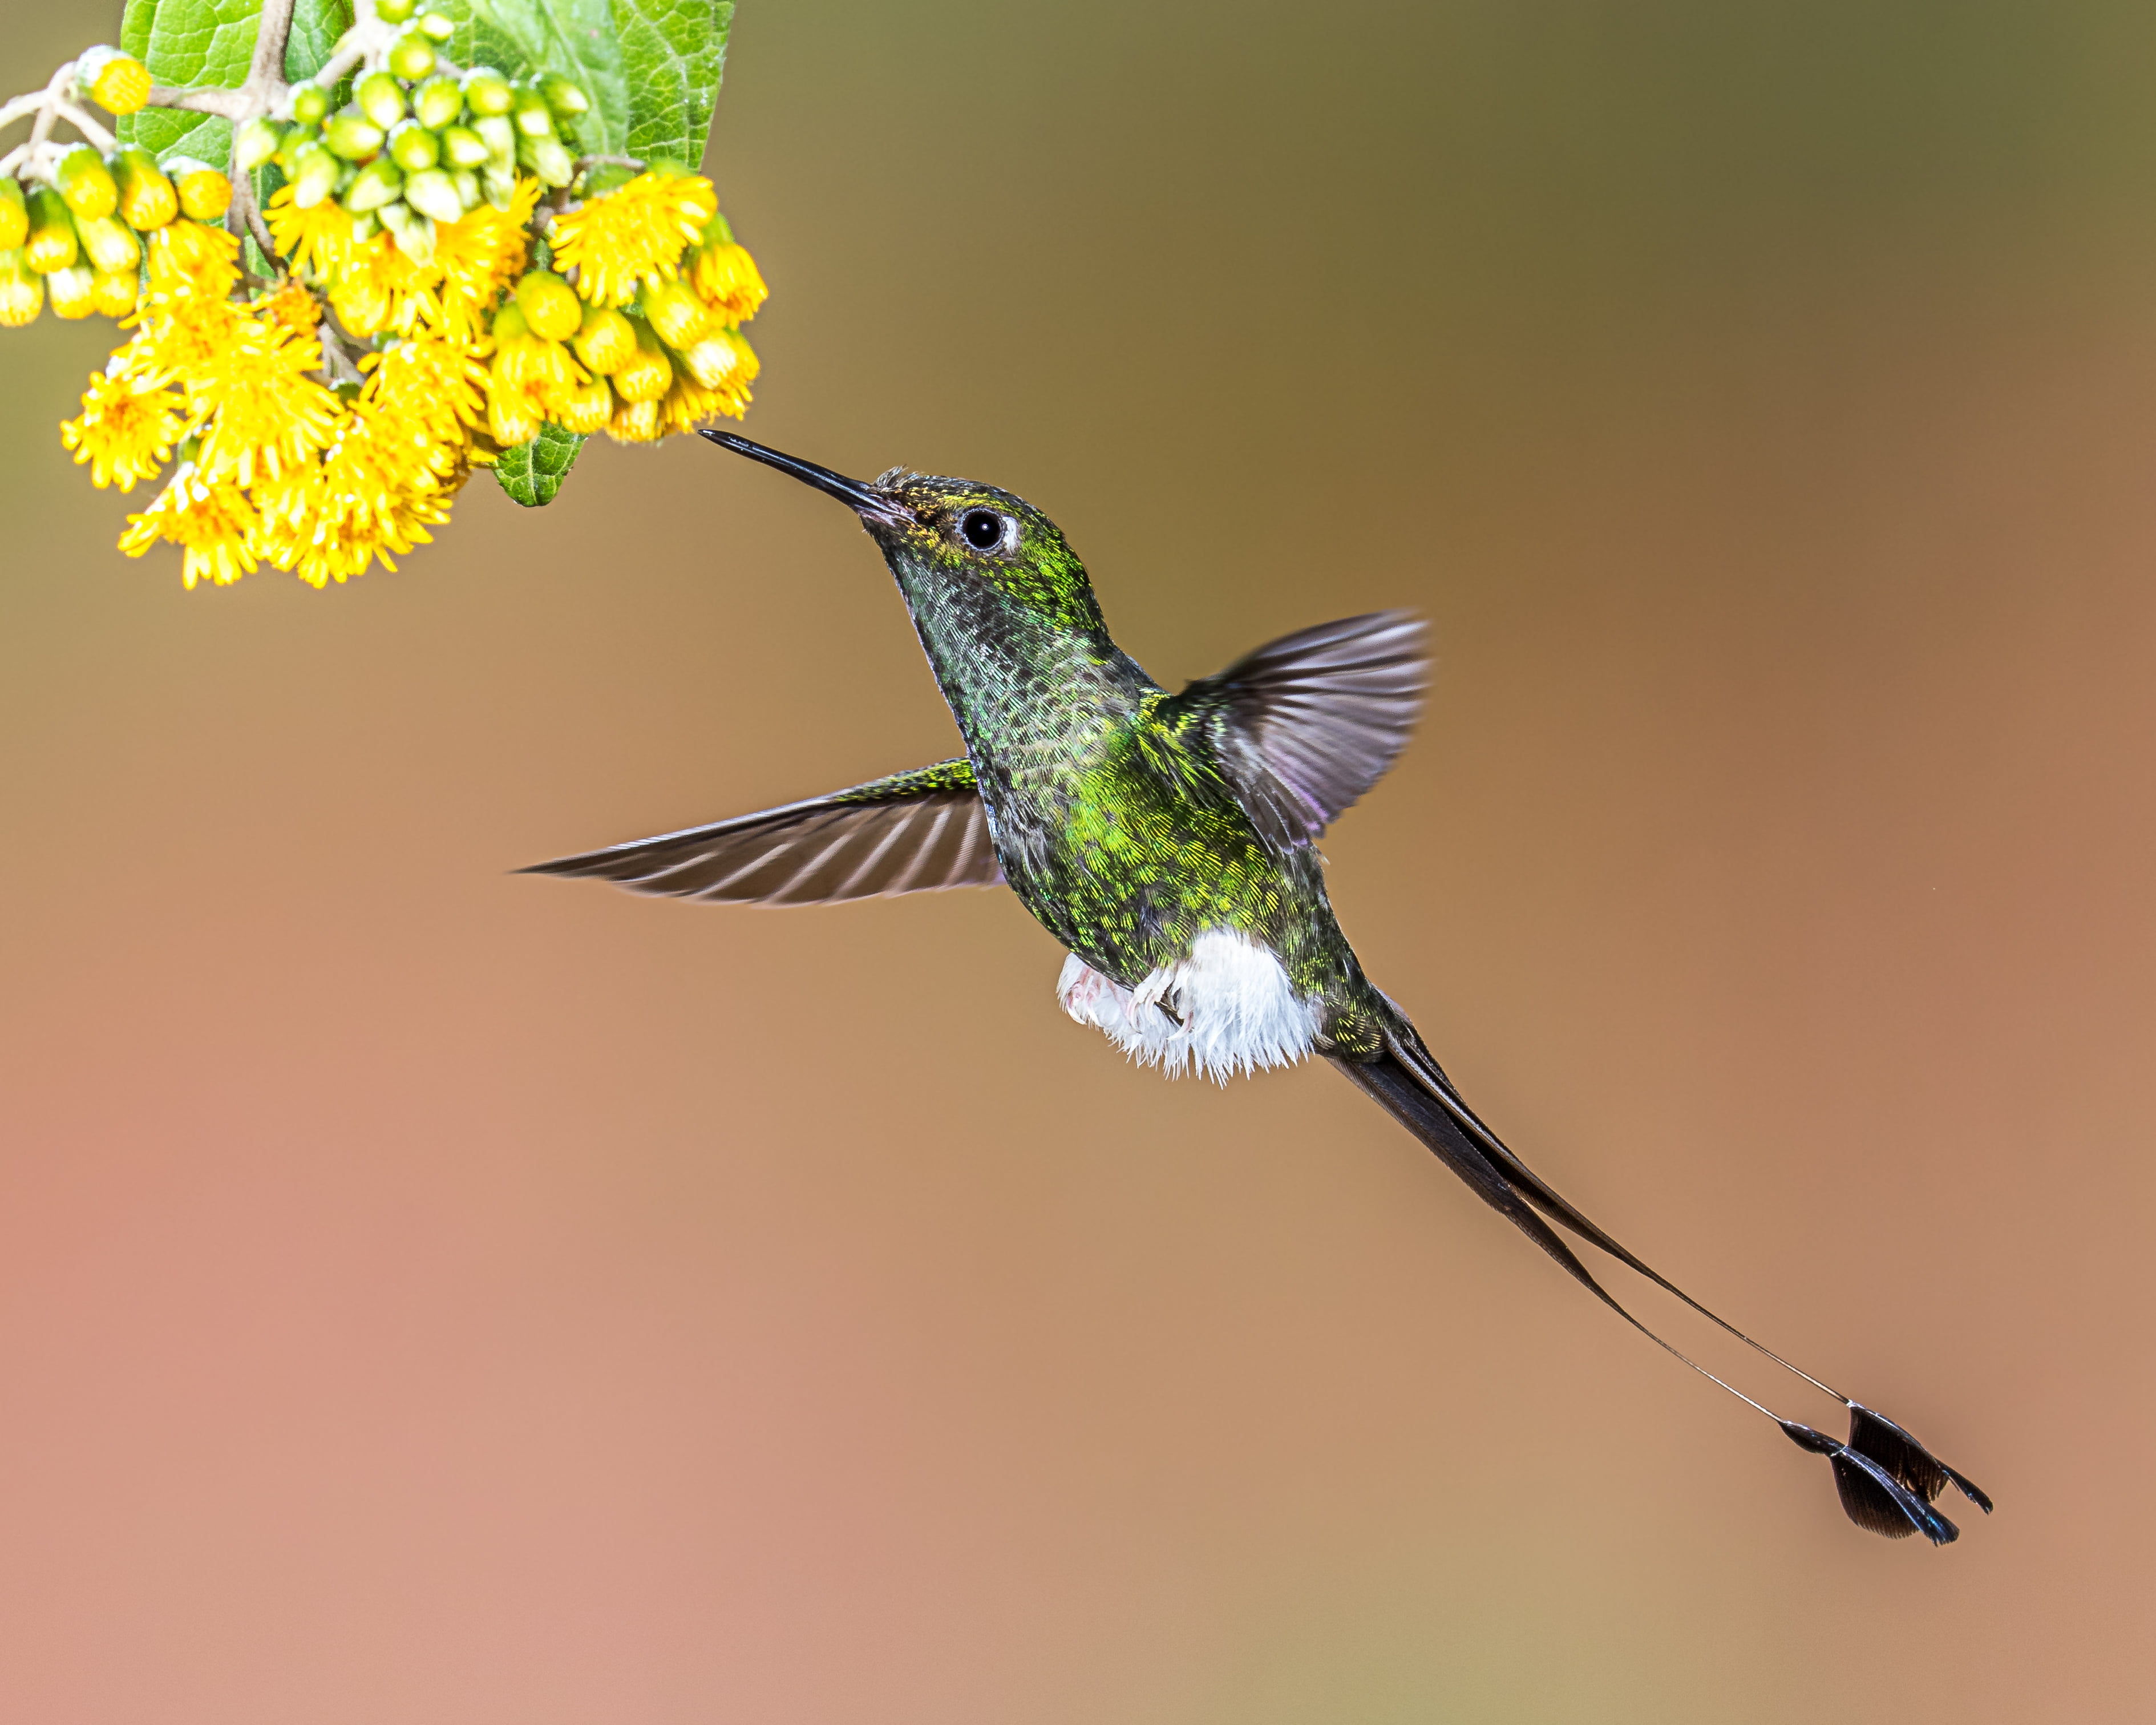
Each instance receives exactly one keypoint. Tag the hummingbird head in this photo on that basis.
(954, 544)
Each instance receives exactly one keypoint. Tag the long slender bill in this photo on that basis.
(864, 499)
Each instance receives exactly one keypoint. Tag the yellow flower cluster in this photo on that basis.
(461, 353)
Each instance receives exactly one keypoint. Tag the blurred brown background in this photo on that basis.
(428, 1294)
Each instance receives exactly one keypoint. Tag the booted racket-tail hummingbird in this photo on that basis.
(1169, 842)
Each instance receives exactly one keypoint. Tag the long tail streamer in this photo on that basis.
(1888, 1480)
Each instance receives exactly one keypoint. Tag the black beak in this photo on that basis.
(873, 507)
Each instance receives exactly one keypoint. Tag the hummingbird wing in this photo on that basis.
(913, 832)
(1305, 724)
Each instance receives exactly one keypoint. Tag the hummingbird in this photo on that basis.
(1169, 842)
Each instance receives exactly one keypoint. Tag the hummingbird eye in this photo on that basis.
(983, 529)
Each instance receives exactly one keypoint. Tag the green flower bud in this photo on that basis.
(395, 12)
(433, 193)
(117, 82)
(498, 132)
(438, 27)
(22, 291)
(411, 55)
(204, 194)
(86, 183)
(486, 91)
(437, 101)
(380, 98)
(414, 234)
(255, 142)
(295, 137)
(534, 118)
(311, 102)
(499, 186)
(117, 293)
(510, 324)
(14, 216)
(548, 159)
(412, 146)
(353, 137)
(52, 243)
(550, 305)
(467, 188)
(380, 181)
(314, 173)
(463, 147)
(73, 290)
(364, 225)
(564, 95)
(109, 244)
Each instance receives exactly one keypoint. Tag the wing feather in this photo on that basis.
(1306, 724)
(914, 832)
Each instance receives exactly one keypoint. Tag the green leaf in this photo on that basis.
(651, 67)
(316, 26)
(673, 53)
(188, 42)
(197, 42)
(532, 473)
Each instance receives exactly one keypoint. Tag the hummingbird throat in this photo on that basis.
(1225, 1008)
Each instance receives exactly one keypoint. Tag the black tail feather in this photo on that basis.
(1887, 1481)
(1871, 1496)
(1872, 1434)
(1399, 1094)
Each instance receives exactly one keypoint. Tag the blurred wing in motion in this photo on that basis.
(913, 832)
(1306, 724)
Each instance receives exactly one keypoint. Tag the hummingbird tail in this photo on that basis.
(1887, 1481)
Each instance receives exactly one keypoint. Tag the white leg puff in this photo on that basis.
(1234, 1009)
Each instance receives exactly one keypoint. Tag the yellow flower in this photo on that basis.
(481, 254)
(512, 417)
(434, 380)
(294, 307)
(209, 519)
(543, 374)
(127, 428)
(22, 291)
(186, 258)
(587, 410)
(262, 411)
(725, 279)
(689, 404)
(181, 338)
(371, 497)
(379, 288)
(317, 241)
(116, 292)
(649, 375)
(635, 422)
(622, 238)
(722, 361)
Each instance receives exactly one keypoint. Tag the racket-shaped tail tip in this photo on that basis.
(1872, 1434)
(1870, 1495)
